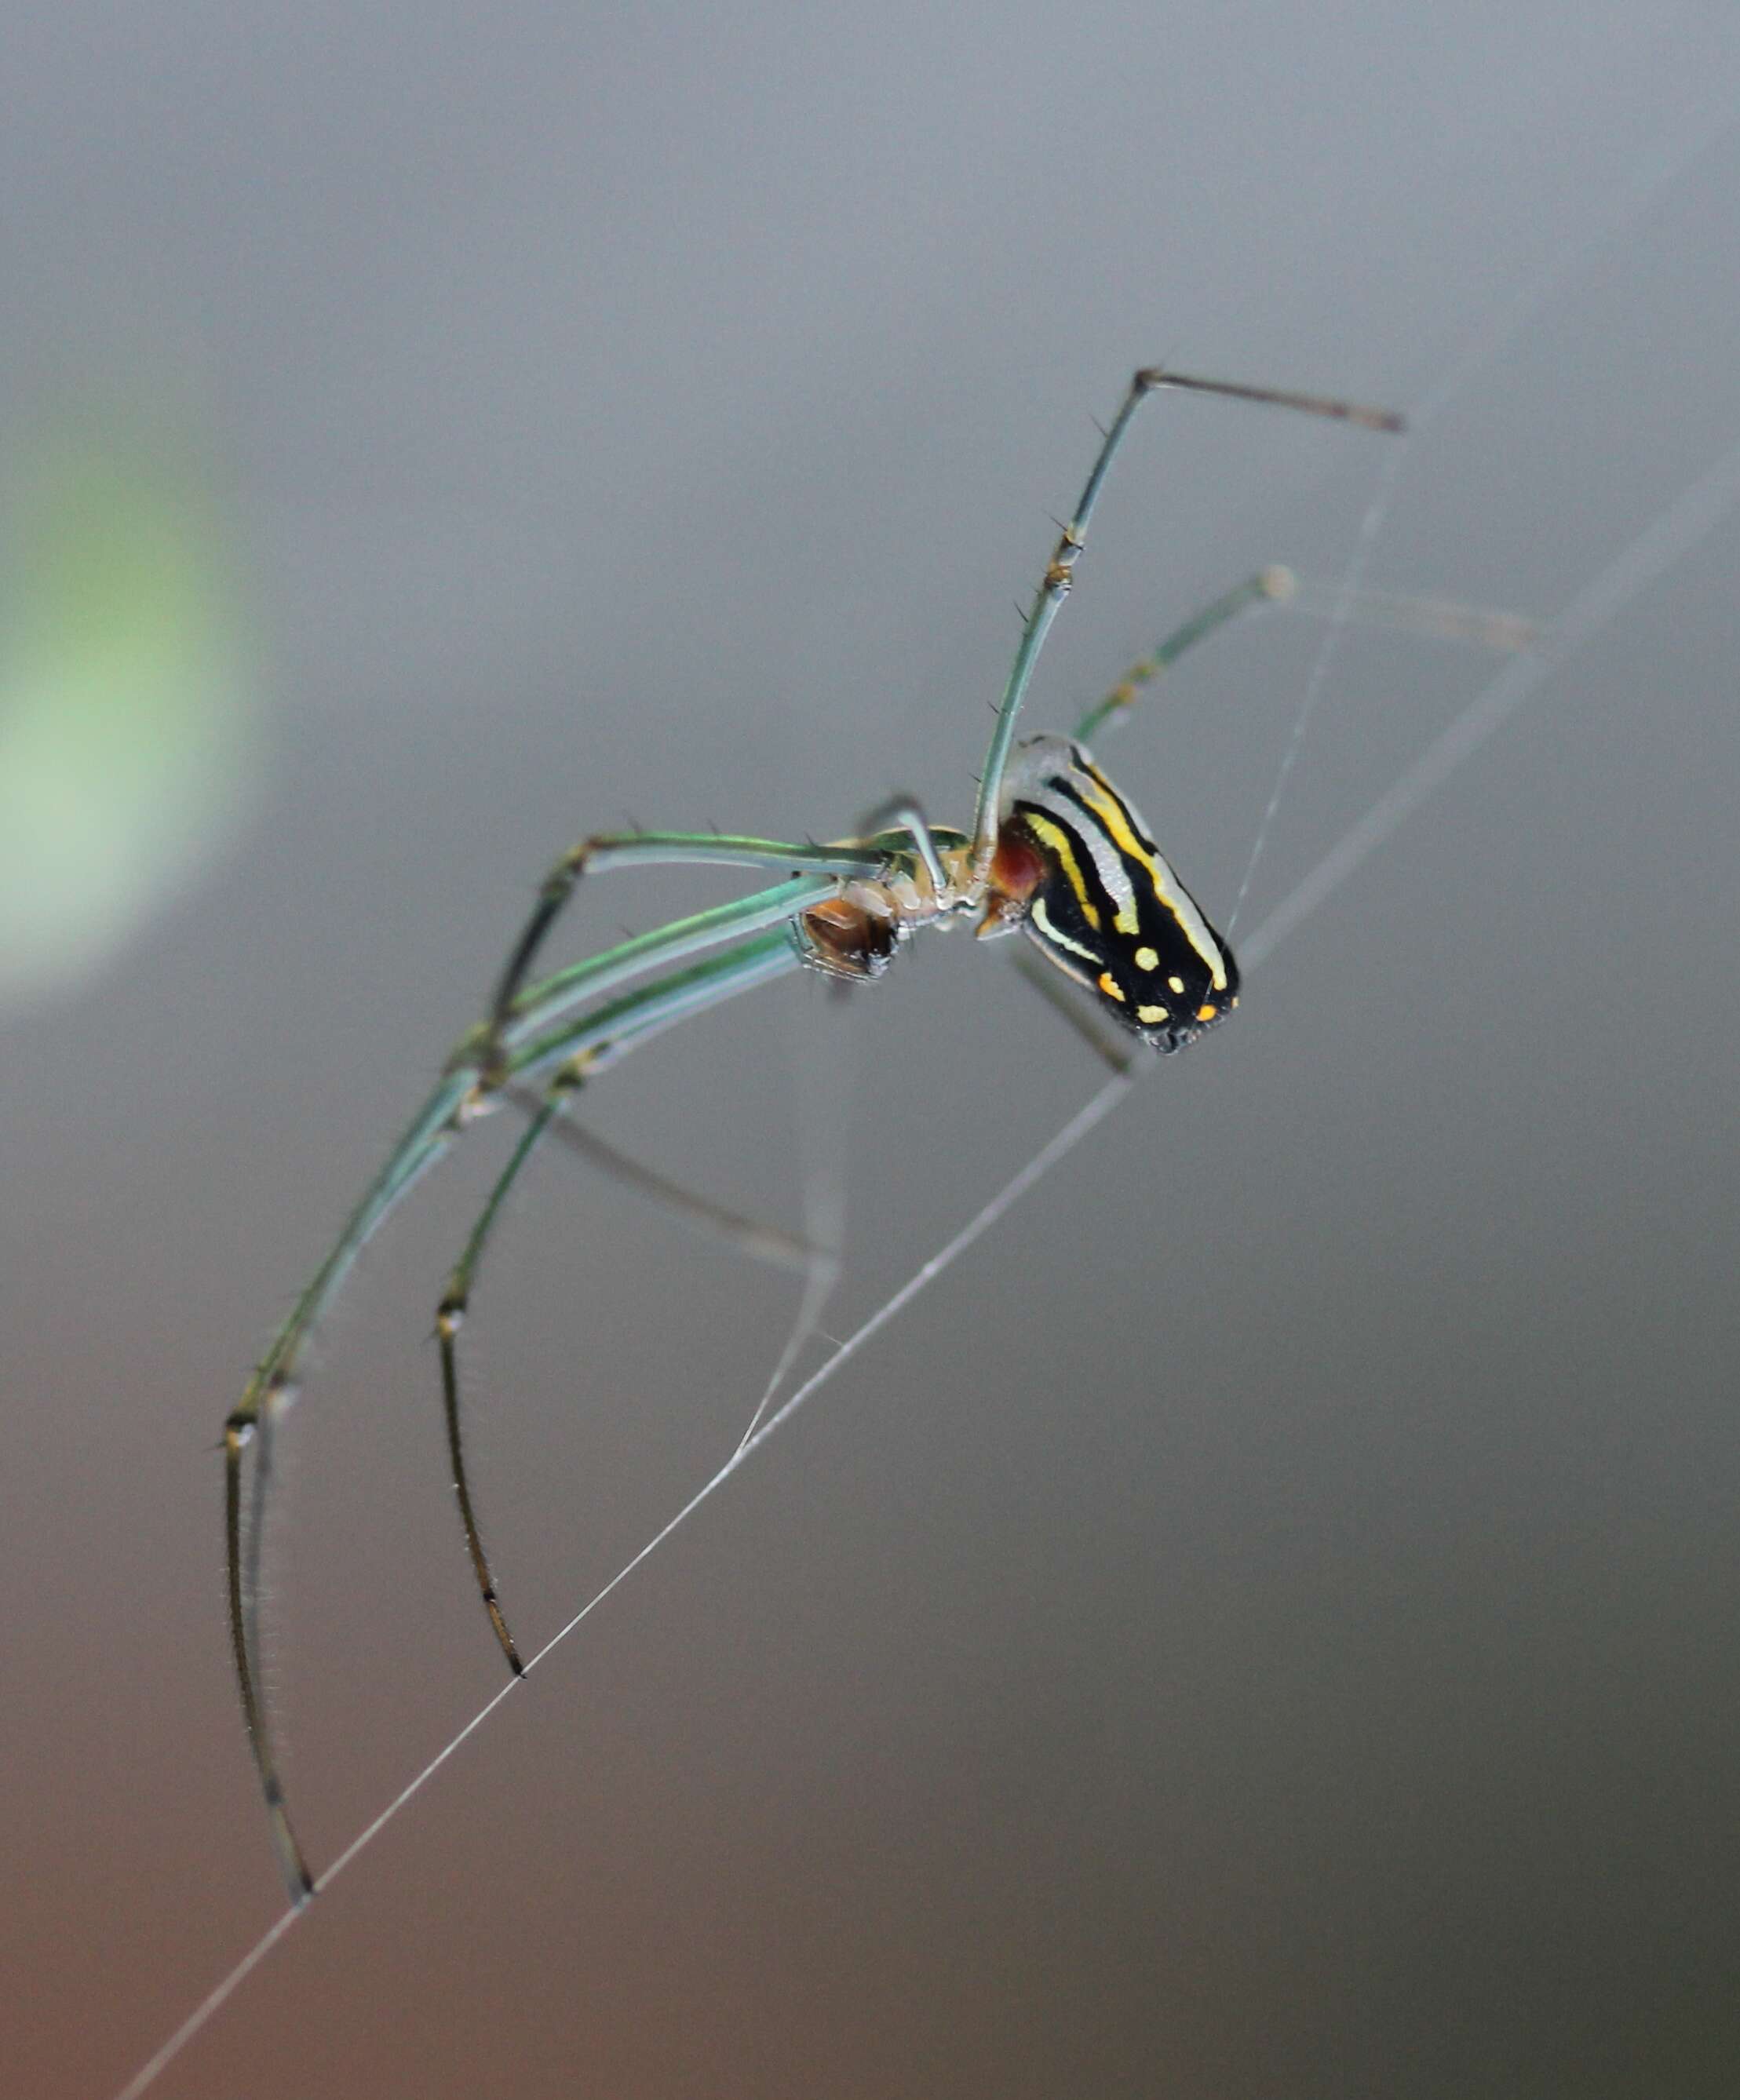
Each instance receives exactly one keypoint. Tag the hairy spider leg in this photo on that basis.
(253, 1421)
(1055, 585)
(455, 1099)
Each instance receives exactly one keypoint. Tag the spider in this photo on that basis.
(1055, 852)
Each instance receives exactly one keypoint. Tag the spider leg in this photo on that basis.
(902, 813)
(1055, 585)
(540, 1003)
(253, 1421)
(451, 1103)
(638, 849)
(1440, 618)
(1269, 586)
(598, 1039)
(449, 1315)
(760, 1243)
(1048, 979)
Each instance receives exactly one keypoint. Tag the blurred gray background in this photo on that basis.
(1264, 1624)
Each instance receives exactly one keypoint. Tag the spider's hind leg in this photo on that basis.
(450, 1317)
(1048, 981)
(575, 1053)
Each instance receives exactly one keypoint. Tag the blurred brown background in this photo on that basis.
(1264, 1624)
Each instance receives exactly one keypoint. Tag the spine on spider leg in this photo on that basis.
(1054, 587)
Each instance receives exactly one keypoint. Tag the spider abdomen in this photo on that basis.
(1101, 902)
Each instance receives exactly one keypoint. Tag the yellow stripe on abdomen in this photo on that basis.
(1062, 849)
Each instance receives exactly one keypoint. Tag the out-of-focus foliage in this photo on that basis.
(127, 743)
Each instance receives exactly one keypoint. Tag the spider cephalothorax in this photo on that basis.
(1074, 869)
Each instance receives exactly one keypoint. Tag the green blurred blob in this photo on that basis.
(126, 743)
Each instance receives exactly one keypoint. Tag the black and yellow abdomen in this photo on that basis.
(1102, 901)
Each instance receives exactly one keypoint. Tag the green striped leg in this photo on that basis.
(578, 1052)
(638, 849)
(255, 1420)
(1439, 619)
(1269, 586)
(1055, 585)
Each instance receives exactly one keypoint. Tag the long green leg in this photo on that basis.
(1268, 587)
(642, 850)
(254, 1419)
(596, 1039)
(601, 1037)
(539, 1003)
(1442, 619)
(1055, 585)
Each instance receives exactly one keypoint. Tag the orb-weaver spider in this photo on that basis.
(1055, 851)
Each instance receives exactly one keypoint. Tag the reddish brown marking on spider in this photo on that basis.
(847, 941)
(1017, 868)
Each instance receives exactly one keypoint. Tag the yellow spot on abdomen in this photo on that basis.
(1207, 1012)
(1148, 1015)
(1148, 959)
